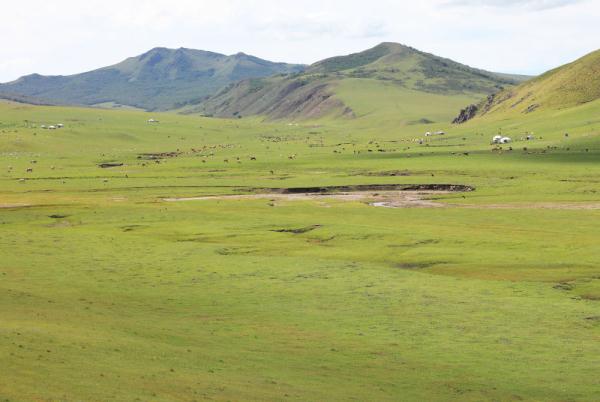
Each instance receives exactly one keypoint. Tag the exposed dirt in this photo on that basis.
(299, 230)
(378, 195)
(158, 155)
(364, 188)
(110, 165)
(389, 199)
(385, 196)
(386, 173)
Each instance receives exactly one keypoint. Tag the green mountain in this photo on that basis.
(570, 85)
(390, 81)
(160, 79)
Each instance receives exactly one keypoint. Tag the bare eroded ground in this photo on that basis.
(390, 199)
(395, 199)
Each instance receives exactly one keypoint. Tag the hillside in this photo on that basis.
(567, 86)
(390, 68)
(159, 79)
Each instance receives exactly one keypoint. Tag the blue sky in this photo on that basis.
(517, 36)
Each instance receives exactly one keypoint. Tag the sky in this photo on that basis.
(513, 36)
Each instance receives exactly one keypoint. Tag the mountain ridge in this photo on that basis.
(159, 79)
(312, 92)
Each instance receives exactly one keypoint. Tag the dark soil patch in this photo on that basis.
(235, 251)
(159, 155)
(419, 265)
(392, 173)
(297, 231)
(367, 187)
(130, 228)
(57, 216)
(563, 286)
(110, 165)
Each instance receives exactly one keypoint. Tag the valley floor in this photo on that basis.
(170, 278)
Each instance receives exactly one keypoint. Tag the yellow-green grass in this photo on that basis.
(376, 100)
(107, 292)
(567, 86)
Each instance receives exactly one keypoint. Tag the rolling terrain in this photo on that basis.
(344, 257)
(159, 79)
(381, 82)
(111, 289)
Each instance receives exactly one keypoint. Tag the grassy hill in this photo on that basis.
(567, 86)
(394, 71)
(160, 79)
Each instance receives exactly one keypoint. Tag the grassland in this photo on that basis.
(107, 292)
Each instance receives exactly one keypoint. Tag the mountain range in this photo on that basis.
(337, 86)
(160, 79)
(387, 82)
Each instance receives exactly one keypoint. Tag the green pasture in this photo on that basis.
(108, 292)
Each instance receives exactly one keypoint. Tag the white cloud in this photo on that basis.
(527, 4)
(68, 36)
